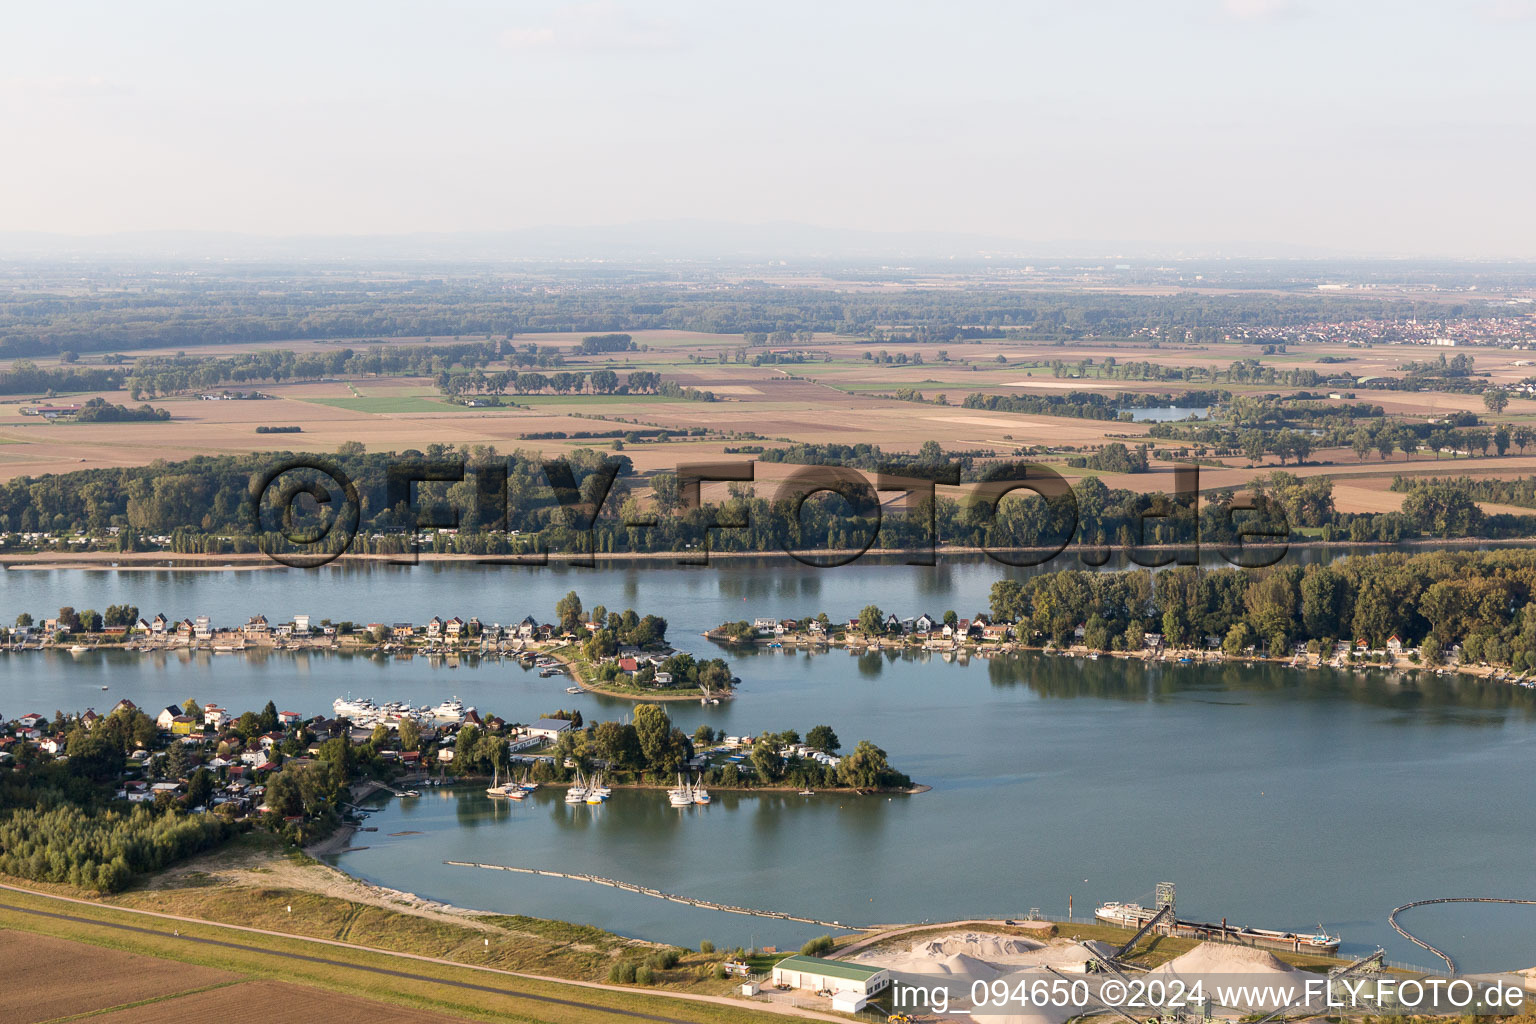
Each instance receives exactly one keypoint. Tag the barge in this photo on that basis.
(1134, 915)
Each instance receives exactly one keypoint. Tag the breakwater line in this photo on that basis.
(658, 894)
(1442, 954)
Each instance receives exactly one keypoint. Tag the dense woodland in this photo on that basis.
(1478, 599)
(204, 505)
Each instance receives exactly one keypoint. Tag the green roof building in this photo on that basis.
(850, 984)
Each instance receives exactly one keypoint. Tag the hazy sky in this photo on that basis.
(1397, 127)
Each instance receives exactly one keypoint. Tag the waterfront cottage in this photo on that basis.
(924, 623)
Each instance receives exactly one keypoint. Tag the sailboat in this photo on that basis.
(597, 792)
(682, 796)
(527, 785)
(498, 789)
(700, 794)
(578, 790)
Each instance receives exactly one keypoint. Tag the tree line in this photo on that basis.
(1480, 600)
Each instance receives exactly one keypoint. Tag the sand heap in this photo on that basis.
(1223, 958)
(1233, 965)
(968, 956)
(981, 945)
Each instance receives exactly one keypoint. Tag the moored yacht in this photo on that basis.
(682, 796)
(348, 707)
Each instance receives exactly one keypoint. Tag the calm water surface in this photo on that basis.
(1275, 797)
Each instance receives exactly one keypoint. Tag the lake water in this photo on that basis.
(1169, 414)
(1273, 797)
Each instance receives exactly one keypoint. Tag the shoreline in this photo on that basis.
(916, 789)
(1167, 656)
(141, 561)
(979, 650)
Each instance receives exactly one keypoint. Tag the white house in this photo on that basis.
(549, 728)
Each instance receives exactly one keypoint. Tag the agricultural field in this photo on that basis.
(49, 977)
(843, 393)
(141, 967)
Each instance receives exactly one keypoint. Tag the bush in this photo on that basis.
(664, 959)
(622, 973)
(706, 946)
(818, 946)
(644, 975)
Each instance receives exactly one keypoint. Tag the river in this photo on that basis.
(1275, 797)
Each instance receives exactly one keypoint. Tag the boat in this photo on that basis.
(807, 792)
(103, 687)
(347, 707)
(596, 791)
(502, 790)
(527, 785)
(682, 795)
(77, 648)
(573, 689)
(577, 791)
(700, 795)
(1134, 915)
(452, 709)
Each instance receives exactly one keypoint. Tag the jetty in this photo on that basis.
(658, 894)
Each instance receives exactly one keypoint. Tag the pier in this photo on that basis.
(658, 894)
(1442, 954)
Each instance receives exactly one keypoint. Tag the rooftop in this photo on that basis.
(828, 968)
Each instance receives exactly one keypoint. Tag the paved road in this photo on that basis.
(510, 993)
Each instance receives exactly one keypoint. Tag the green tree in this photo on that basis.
(865, 768)
(568, 611)
(1496, 399)
(871, 620)
(822, 738)
(199, 788)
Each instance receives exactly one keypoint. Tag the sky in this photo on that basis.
(1329, 126)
